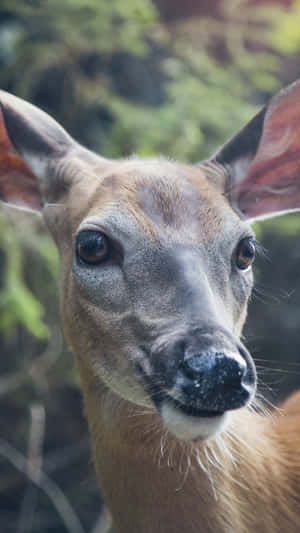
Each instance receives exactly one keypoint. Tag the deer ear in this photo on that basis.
(263, 159)
(32, 149)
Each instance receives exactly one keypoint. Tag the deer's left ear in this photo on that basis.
(263, 159)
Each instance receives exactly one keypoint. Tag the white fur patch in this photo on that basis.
(239, 169)
(190, 427)
(37, 164)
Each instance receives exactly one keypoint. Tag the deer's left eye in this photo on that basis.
(92, 247)
(245, 253)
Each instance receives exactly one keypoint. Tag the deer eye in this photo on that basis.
(92, 247)
(245, 253)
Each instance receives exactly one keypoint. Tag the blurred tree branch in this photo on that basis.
(44, 482)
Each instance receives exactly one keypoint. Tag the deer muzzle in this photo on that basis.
(197, 383)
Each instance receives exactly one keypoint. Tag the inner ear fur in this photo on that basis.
(30, 142)
(17, 182)
(263, 159)
(38, 158)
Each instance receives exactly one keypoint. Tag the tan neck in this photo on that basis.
(154, 483)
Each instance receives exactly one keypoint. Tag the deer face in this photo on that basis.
(155, 291)
(156, 256)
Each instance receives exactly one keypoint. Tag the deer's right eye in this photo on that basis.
(92, 247)
(245, 253)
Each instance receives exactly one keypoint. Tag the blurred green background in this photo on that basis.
(124, 76)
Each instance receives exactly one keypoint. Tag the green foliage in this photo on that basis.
(288, 225)
(199, 113)
(74, 25)
(285, 35)
(17, 303)
(50, 32)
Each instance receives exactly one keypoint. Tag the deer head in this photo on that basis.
(156, 255)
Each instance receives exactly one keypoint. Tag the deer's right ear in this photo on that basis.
(32, 148)
(262, 161)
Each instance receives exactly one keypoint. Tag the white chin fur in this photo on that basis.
(191, 427)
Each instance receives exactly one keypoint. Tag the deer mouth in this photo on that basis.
(198, 407)
(185, 420)
(191, 424)
(192, 410)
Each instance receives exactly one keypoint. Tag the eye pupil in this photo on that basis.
(245, 253)
(91, 247)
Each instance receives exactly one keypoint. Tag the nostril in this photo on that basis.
(234, 369)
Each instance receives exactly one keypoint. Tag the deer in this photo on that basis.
(155, 275)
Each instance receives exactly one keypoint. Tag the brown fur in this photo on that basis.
(247, 481)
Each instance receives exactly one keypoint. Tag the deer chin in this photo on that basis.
(190, 427)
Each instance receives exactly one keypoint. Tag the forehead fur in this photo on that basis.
(161, 195)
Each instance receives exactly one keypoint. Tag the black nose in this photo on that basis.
(216, 381)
